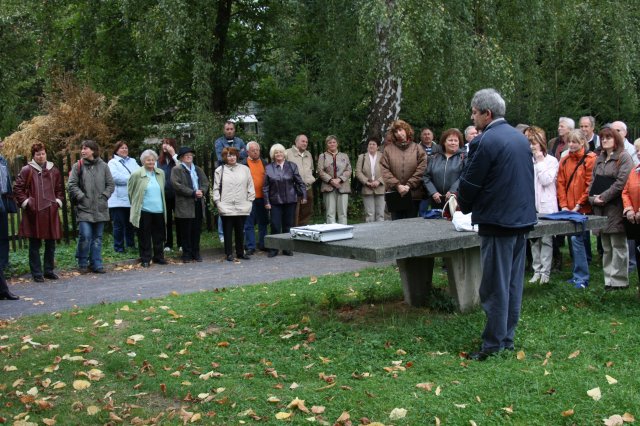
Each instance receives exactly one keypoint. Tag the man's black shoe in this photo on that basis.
(51, 276)
(481, 355)
(244, 256)
(250, 252)
(99, 271)
(38, 278)
(7, 295)
(287, 252)
(160, 261)
(230, 258)
(272, 253)
(145, 264)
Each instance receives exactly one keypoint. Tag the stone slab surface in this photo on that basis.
(401, 239)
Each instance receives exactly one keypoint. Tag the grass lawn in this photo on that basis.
(340, 349)
(66, 260)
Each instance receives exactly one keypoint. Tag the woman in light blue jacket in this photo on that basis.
(121, 166)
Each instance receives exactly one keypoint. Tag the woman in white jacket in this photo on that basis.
(121, 166)
(233, 194)
(545, 168)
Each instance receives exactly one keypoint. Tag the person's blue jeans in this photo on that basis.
(122, 228)
(89, 252)
(220, 229)
(258, 216)
(580, 263)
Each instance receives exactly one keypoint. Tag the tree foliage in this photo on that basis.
(315, 67)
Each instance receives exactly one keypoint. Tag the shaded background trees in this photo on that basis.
(322, 67)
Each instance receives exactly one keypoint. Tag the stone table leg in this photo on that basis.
(416, 274)
(464, 270)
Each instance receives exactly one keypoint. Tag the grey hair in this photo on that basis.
(489, 100)
(298, 137)
(568, 121)
(148, 153)
(621, 123)
(592, 119)
(274, 148)
(467, 130)
(253, 143)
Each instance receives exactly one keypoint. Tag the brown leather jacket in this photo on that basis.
(404, 165)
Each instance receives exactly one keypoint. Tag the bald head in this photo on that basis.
(620, 127)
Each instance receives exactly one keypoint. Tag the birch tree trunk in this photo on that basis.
(385, 104)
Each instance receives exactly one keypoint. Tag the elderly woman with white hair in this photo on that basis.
(148, 208)
(282, 186)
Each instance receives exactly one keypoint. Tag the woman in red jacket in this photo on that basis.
(631, 206)
(39, 192)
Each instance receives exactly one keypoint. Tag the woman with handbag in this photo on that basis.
(282, 186)
(545, 171)
(334, 169)
(605, 194)
(442, 176)
(369, 174)
(574, 177)
(233, 195)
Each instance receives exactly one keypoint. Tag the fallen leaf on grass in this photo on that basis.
(317, 409)
(520, 356)
(135, 338)
(568, 413)
(595, 394)
(299, 404)
(628, 417)
(10, 368)
(508, 409)
(426, 386)
(49, 422)
(461, 405)
(438, 391)
(313, 280)
(283, 415)
(615, 420)
(573, 354)
(397, 414)
(611, 380)
(81, 384)
(343, 417)
(92, 410)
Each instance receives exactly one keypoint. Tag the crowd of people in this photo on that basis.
(398, 178)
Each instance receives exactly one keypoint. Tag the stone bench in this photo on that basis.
(413, 244)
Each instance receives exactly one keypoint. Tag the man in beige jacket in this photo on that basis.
(299, 155)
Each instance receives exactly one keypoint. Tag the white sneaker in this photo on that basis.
(544, 279)
(536, 278)
(222, 239)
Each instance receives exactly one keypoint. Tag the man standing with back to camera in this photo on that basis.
(497, 188)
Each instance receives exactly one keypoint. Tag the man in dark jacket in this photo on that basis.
(497, 188)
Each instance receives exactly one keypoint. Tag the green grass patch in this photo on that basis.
(66, 254)
(345, 343)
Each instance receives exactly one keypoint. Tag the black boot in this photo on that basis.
(5, 293)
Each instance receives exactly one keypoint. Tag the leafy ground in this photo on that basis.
(339, 349)
(66, 260)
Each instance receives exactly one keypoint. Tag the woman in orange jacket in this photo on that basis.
(631, 206)
(574, 178)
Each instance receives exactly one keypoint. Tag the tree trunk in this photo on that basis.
(385, 106)
(219, 102)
